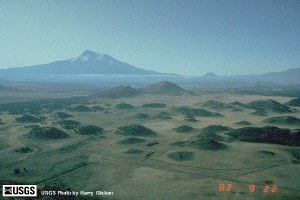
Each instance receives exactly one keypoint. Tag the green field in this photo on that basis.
(145, 146)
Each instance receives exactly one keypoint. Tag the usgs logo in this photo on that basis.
(19, 190)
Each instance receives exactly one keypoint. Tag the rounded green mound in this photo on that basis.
(267, 134)
(154, 105)
(142, 116)
(283, 120)
(81, 108)
(213, 104)
(134, 151)
(183, 129)
(63, 115)
(294, 102)
(197, 112)
(135, 130)
(163, 115)
(181, 155)
(47, 133)
(207, 143)
(29, 119)
(237, 104)
(132, 140)
(259, 113)
(90, 130)
(268, 105)
(190, 118)
(97, 108)
(70, 124)
(243, 122)
(125, 106)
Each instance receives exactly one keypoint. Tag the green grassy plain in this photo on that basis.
(151, 167)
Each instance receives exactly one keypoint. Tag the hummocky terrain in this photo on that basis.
(158, 141)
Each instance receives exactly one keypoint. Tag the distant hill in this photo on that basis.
(209, 75)
(283, 120)
(88, 62)
(290, 75)
(165, 88)
(161, 88)
(268, 105)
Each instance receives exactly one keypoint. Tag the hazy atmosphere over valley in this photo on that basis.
(140, 99)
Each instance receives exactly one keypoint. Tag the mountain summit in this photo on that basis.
(88, 56)
(88, 62)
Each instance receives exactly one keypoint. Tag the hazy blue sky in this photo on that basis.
(185, 37)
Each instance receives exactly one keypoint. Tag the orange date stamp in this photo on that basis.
(228, 187)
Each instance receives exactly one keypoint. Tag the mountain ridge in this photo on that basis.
(88, 62)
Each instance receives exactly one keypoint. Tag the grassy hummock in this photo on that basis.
(135, 130)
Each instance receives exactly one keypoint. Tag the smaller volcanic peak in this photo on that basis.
(210, 75)
(166, 88)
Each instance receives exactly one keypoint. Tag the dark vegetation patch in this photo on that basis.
(283, 120)
(190, 118)
(197, 112)
(135, 130)
(63, 115)
(267, 153)
(124, 106)
(268, 182)
(213, 104)
(207, 140)
(181, 155)
(295, 161)
(1, 123)
(152, 144)
(183, 129)
(27, 118)
(97, 108)
(70, 124)
(243, 122)
(163, 115)
(24, 150)
(142, 116)
(90, 130)
(154, 105)
(81, 108)
(47, 133)
(237, 104)
(294, 102)
(295, 153)
(149, 155)
(36, 106)
(215, 129)
(268, 105)
(259, 113)
(267, 134)
(132, 140)
(134, 151)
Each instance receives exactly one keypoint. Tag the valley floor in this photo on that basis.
(152, 167)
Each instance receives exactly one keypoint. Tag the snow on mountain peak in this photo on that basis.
(88, 55)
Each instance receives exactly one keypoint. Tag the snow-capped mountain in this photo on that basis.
(88, 62)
